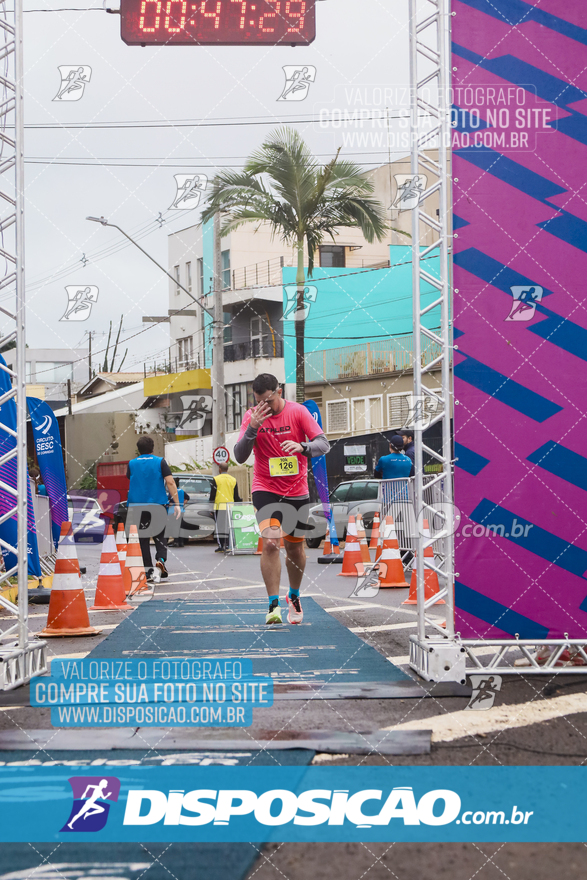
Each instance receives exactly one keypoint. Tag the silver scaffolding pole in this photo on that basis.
(434, 656)
(20, 659)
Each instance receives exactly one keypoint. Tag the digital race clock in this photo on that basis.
(217, 22)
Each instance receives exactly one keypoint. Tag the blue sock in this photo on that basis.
(273, 600)
(294, 594)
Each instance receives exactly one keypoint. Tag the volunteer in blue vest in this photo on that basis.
(183, 497)
(396, 464)
(224, 491)
(150, 481)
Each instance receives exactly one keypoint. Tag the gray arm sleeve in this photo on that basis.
(244, 446)
(318, 446)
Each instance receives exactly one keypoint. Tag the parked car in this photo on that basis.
(87, 518)
(199, 522)
(352, 497)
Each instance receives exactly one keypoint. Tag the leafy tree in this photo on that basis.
(302, 201)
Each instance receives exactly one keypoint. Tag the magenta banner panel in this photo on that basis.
(520, 314)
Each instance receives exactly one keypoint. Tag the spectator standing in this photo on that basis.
(396, 464)
(224, 491)
(408, 439)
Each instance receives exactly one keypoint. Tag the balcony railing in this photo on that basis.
(267, 272)
(366, 359)
(244, 351)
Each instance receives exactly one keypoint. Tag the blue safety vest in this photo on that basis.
(393, 466)
(147, 485)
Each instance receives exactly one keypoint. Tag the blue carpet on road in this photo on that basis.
(319, 651)
(127, 861)
(157, 757)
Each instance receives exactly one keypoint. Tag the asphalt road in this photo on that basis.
(534, 720)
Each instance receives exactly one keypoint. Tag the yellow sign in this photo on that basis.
(287, 466)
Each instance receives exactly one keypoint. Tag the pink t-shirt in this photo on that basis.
(295, 423)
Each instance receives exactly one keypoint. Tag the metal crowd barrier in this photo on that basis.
(397, 499)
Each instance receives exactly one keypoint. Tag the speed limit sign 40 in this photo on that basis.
(221, 455)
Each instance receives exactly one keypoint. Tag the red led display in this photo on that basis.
(217, 22)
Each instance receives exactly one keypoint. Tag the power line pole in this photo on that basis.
(90, 334)
(217, 375)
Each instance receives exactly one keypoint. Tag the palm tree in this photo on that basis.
(283, 185)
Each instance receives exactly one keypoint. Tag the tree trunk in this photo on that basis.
(300, 327)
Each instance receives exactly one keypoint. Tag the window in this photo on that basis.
(200, 276)
(176, 276)
(399, 407)
(359, 491)
(333, 256)
(227, 327)
(188, 276)
(367, 413)
(337, 416)
(259, 336)
(239, 398)
(225, 257)
(28, 371)
(49, 371)
(194, 486)
(185, 350)
(340, 493)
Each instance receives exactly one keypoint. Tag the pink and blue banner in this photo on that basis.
(520, 316)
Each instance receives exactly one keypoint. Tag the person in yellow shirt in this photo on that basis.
(224, 491)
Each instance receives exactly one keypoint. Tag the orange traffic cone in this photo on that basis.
(139, 588)
(110, 587)
(391, 568)
(352, 561)
(375, 533)
(259, 549)
(362, 536)
(121, 545)
(431, 585)
(68, 613)
(327, 544)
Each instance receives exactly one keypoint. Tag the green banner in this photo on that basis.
(244, 533)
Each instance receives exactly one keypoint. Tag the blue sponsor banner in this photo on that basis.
(230, 804)
(8, 529)
(50, 457)
(320, 475)
(152, 693)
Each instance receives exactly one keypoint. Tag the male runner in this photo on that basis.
(284, 436)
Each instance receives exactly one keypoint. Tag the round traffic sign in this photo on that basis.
(221, 455)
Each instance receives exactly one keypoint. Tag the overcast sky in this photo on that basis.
(358, 44)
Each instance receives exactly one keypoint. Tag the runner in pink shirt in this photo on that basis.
(283, 436)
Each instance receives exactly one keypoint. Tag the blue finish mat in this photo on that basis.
(156, 757)
(128, 861)
(319, 651)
